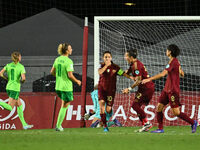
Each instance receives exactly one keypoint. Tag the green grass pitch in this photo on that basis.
(119, 138)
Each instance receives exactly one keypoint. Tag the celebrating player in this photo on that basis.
(145, 91)
(16, 74)
(107, 85)
(171, 91)
(63, 70)
(96, 112)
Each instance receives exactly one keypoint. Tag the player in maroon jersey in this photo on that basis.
(107, 85)
(145, 91)
(171, 91)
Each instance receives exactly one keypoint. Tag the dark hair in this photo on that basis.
(132, 52)
(175, 51)
(107, 52)
(62, 48)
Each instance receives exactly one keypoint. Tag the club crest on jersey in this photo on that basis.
(137, 72)
(167, 66)
(108, 70)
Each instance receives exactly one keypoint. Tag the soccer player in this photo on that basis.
(107, 85)
(63, 71)
(16, 75)
(96, 112)
(171, 91)
(145, 91)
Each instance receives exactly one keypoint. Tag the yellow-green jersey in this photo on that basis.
(63, 65)
(14, 72)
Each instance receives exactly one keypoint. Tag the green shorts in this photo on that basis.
(13, 94)
(65, 96)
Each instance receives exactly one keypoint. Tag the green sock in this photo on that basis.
(61, 116)
(21, 115)
(6, 106)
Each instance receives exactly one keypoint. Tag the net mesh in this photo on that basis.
(151, 39)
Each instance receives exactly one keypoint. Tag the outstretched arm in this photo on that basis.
(158, 76)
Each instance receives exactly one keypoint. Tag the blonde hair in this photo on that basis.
(62, 48)
(15, 56)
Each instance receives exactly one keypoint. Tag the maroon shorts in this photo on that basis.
(107, 96)
(171, 98)
(144, 96)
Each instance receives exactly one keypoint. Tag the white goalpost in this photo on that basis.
(151, 35)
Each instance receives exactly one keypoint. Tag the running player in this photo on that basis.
(107, 85)
(171, 91)
(16, 75)
(63, 71)
(145, 91)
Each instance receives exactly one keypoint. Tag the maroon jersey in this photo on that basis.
(108, 78)
(138, 69)
(173, 79)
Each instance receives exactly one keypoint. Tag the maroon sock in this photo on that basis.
(160, 120)
(184, 117)
(103, 119)
(139, 111)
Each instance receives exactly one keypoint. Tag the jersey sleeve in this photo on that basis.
(54, 64)
(23, 71)
(138, 69)
(70, 66)
(169, 67)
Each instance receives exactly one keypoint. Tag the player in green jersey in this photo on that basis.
(63, 71)
(16, 75)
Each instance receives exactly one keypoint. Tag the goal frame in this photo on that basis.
(127, 18)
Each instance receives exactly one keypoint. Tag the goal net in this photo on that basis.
(151, 36)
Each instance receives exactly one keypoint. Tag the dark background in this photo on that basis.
(14, 10)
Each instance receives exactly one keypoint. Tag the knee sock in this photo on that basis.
(103, 119)
(21, 115)
(61, 116)
(140, 111)
(6, 106)
(160, 120)
(184, 117)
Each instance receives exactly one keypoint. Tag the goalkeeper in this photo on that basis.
(96, 112)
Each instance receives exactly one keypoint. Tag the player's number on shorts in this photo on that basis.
(12, 74)
(109, 98)
(138, 95)
(59, 70)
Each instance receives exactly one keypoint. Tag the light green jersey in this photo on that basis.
(63, 65)
(14, 72)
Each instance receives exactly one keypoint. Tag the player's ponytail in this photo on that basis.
(62, 48)
(15, 57)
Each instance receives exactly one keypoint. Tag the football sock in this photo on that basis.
(103, 119)
(160, 120)
(108, 115)
(139, 111)
(21, 115)
(184, 117)
(61, 116)
(6, 106)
